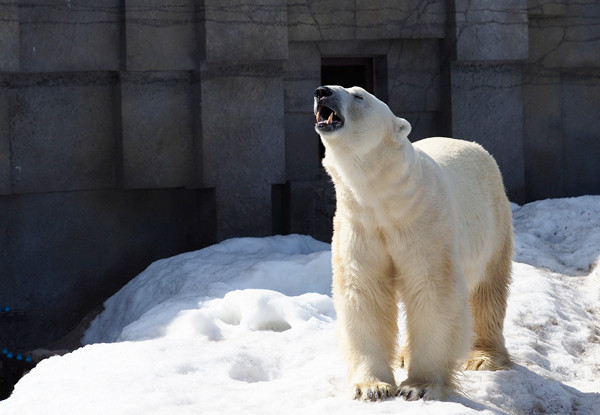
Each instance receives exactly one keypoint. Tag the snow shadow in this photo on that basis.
(521, 391)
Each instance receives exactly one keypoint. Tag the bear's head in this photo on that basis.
(355, 119)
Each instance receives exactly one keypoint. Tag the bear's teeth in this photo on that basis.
(330, 119)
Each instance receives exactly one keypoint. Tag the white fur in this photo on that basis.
(427, 224)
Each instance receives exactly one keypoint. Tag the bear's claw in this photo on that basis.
(425, 391)
(373, 392)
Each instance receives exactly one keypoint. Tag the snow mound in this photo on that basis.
(248, 325)
(291, 265)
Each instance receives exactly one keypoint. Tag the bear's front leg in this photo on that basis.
(438, 326)
(368, 321)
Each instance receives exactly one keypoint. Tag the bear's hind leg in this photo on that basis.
(488, 306)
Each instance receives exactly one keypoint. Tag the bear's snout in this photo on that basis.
(322, 92)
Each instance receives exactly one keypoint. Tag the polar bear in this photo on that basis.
(428, 224)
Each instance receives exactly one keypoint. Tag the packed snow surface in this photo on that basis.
(248, 326)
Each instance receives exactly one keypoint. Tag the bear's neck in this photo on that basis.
(386, 175)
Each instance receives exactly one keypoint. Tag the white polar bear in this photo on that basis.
(428, 224)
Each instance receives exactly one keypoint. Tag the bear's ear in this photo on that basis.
(402, 129)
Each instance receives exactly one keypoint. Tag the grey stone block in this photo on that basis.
(9, 36)
(299, 94)
(322, 20)
(301, 147)
(312, 207)
(382, 19)
(360, 48)
(392, 19)
(63, 132)
(414, 91)
(250, 31)
(424, 124)
(243, 144)
(162, 35)
(544, 135)
(571, 41)
(302, 76)
(489, 30)
(581, 106)
(70, 36)
(157, 122)
(5, 187)
(413, 75)
(546, 8)
(487, 108)
(64, 253)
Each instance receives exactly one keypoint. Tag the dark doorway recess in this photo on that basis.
(348, 72)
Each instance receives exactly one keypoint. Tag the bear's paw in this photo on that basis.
(488, 360)
(373, 391)
(412, 391)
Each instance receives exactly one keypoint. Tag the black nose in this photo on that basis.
(322, 92)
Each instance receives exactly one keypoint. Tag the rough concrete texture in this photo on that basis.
(490, 30)
(243, 31)
(567, 40)
(158, 129)
(5, 177)
(315, 20)
(132, 130)
(302, 71)
(62, 131)
(560, 99)
(543, 148)
(301, 146)
(70, 36)
(162, 35)
(487, 108)
(316, 196)
(582, 133)
(414, 76)
(243, 143)
(9, 36)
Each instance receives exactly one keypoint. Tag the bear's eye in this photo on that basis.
(357, 96)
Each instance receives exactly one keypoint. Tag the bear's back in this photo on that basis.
(478, 194)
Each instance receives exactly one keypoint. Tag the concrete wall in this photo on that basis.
(561, 85)
(134, 130)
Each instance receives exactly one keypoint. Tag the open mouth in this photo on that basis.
(328, 119)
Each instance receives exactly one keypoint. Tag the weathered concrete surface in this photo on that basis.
(5, 176)
(162, 35)
(315, 20)
(62, 130)
(490, 30)
(560, 99)
(487, 108)
(158, 129)
(243, 143)
(9, 36)
(70, 36)
(245, 31)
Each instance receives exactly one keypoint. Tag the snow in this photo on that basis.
(248, 325)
